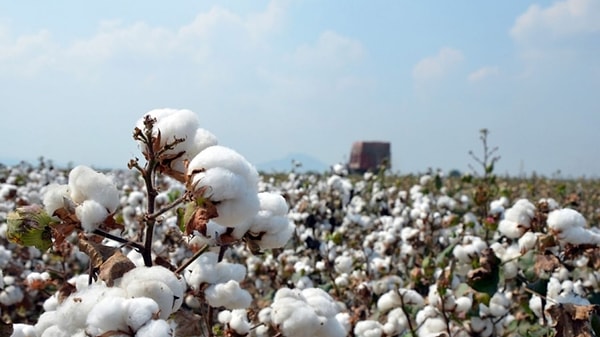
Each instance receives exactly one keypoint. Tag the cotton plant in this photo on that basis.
(126, 233)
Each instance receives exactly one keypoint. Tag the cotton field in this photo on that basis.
(190, 240)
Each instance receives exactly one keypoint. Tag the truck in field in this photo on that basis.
(369, 156)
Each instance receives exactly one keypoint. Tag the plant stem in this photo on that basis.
(109, 236)
(191, 259)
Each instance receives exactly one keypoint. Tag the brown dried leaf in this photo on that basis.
(546, 263)
(98, 253)
(6, 329)
(199, 219)
(572, 320)
(114, 267)
(65, 290)
(188, 323)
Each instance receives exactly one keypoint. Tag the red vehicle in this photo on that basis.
(368, 156)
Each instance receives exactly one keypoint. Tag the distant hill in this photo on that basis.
(285, 164)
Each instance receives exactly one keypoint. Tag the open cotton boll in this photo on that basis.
(173, 123)
(229, 271)
(87, 184)
(157, 283)
(23, 330)
(368, 328)
(11, 295)
(156, 290)
(309, 312)
(228, 295)
(568, 226)
(107, 315)
(203, 270)
(139, 311)
(237, 320)
(53, 197)
(228, 180)
(91, 214)
(224, 157)
(396, 322)
(155, 328)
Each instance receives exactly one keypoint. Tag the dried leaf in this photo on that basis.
(486, 277)
(188, 323)
(6, 329)
(98, 253)
(200, 216)
(65, 290)
(572, 320)
(114, 268)
(546, 263)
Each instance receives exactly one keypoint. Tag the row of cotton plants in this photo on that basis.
(193, 241)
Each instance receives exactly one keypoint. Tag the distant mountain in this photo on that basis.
(285, 164)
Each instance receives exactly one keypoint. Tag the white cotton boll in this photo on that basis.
(408, 233)
(11, 295)
(56, 331)
(224, 316)
(175, 286)
(344, 319)
(239, 322)
(23, 330)
(463, 304)
(108, 314)
(295, 318)
(343, 264)
(368, 328)
(54, 195)
(203, 270)
(388, 301)
(432, 327)
(271, 240)
(499, 304)
(304, 282)
(136, 198)
(87, 184)
(565, 218)
(535, 304)
(229, 271)
(342, 281)
(228, 295)
(510, 229)
(331, 328)
(222, 157)
(139, 311)
(481, 327)
(322, 303)
(156, 290)
(91, 214)
(46, 320)
(497, 206)
(527, 242)
(264, 315)
(74, 310)
(396, 322)
(173, 123)
(155, 328)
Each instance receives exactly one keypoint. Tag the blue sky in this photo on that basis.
(271, 78)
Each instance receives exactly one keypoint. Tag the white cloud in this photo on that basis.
(211, 35)
(483, 73)
(562, 19)
(435, 67)
(330, 50)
